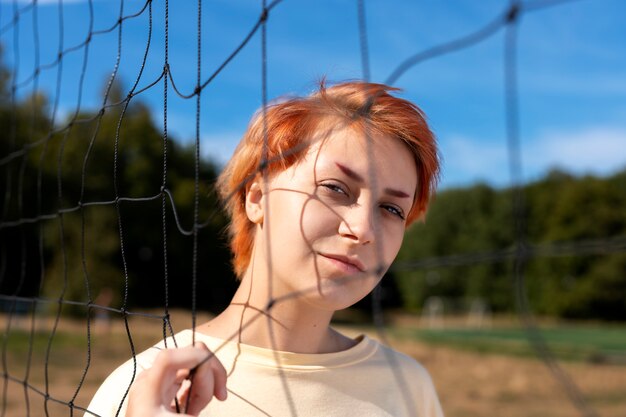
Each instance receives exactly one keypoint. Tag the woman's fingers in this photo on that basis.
(156, 388)
(208, 379)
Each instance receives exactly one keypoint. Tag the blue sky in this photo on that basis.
(572, 71)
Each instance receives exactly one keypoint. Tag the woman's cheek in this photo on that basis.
(391, 240)
(320, 217)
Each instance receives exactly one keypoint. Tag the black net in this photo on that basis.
(72, 291)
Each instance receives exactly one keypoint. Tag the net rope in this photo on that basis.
(13, 165)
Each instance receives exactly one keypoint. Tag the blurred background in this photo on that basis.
(521, 262)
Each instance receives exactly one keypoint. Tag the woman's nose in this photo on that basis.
(358, 224)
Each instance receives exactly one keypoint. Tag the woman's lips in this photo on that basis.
(345, 263)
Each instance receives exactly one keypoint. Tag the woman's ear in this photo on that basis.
(254, 201)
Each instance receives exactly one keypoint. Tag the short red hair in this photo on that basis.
(293, 124)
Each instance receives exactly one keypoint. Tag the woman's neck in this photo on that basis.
(287, 324)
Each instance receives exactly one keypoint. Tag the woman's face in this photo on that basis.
(333, 223)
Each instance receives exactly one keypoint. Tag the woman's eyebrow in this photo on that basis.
(396, 193)
(350, 173)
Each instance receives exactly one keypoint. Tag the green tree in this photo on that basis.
(75, 169)
(559, 208)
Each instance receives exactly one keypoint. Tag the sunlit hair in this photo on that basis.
(292, 125)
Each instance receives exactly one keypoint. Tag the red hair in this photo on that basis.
(291, 126)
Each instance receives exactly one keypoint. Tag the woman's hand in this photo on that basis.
(154, 391)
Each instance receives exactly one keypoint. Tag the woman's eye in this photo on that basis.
(394, 211)
(335, 188)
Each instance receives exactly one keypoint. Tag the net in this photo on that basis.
(73, 173)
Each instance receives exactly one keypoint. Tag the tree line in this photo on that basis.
(77, 166)
(560, 209)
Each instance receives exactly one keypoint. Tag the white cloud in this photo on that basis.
(599, 150)
(596, 149)
(467, 160)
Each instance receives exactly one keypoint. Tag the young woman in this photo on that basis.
(319, 191)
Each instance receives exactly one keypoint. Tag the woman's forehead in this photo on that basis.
(349, 141)
(356, 154)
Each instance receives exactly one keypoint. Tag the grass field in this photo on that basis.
(489, 372)
(602, 344)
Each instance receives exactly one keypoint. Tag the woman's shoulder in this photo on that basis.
(412, 377)
(411, 370)
(113, 391)
(144, 360)
(396, 358)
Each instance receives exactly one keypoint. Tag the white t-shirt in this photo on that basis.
(369, 379)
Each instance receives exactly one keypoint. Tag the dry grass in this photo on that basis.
(469, 384)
